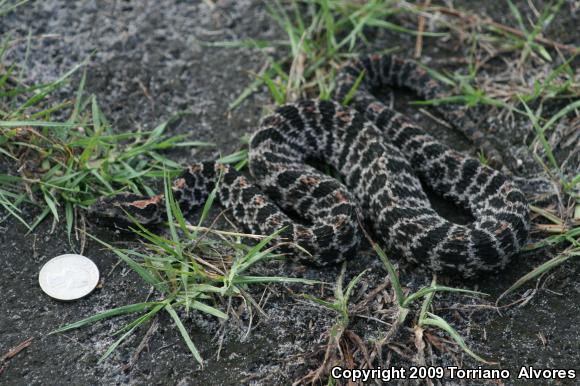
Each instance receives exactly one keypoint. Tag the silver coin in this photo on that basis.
(68, 277)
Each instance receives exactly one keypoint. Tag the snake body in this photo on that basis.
(380, 158)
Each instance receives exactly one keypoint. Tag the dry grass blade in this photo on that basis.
(477, 20)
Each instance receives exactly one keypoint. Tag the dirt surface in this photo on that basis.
(147, 63)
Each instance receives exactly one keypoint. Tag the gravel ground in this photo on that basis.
(146, 64)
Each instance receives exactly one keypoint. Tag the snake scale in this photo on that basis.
(381, 158)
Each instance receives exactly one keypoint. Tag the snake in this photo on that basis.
(381, 163)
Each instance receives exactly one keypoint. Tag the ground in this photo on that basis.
(147, 62)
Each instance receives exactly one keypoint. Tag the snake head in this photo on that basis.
(127, 209)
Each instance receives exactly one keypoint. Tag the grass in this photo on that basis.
(472, 88)
(570, 238)
(336, 333)
(320, 36)
(341, 299)
(7, 6)
(554, 171)
(339, 333)
(323, 34)
(79, 157)
(557, 85)
(66, 153)
(63, 155)
(425, 318)
(190, 271)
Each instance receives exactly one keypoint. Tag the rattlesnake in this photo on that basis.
(380, 159)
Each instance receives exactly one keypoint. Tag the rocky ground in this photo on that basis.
(147, 62)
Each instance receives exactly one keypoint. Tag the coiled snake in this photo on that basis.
(380, 158)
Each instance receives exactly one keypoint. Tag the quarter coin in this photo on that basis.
(68, 277)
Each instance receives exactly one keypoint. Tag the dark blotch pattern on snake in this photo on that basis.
(380, 158)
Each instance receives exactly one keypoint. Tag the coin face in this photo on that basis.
(68, 277)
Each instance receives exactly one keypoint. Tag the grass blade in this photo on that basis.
(545, 267)
(137, 307)
(144, 273)
(208, 310)
(350, 94)
(428, 290)
(184, 334)
(434, 320)
(392, 273)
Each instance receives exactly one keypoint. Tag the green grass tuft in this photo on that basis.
(190, 271)
(320, 35)
(63, 155)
